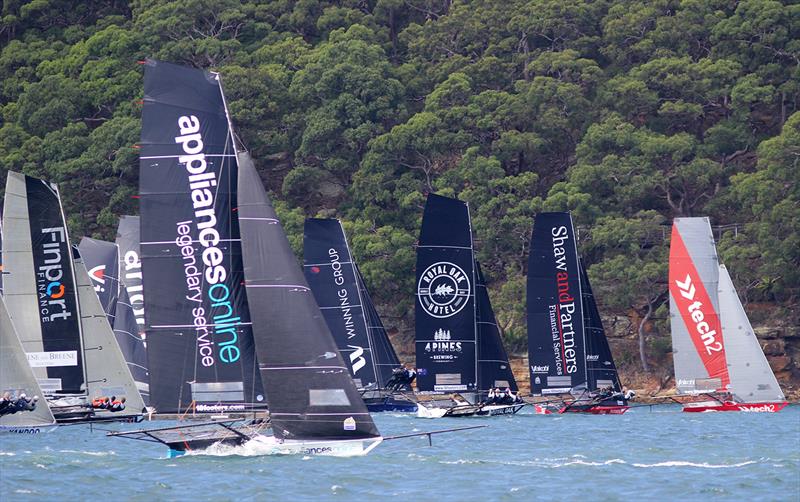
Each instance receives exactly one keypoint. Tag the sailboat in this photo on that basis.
(314, 405)
(16, 378)
(458, 344)
(568, 352)
(200, 349)
(61, 323)
(716, 353)
(348, 310)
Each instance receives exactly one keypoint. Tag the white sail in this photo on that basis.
(106, 370)
(16, 377)
(752, 379)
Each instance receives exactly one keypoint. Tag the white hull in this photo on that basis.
(339, 448)
(33, 429)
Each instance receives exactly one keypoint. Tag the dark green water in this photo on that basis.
(642, 455)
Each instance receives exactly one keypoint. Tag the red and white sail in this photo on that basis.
(713, 345)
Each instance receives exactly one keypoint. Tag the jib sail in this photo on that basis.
(698, 348)
(199, 338)
(331, 273)
(601, 371)
(383, 352)
(752, 379)
(494, 370)
(107, 373)
(556, 343)
(309, 389)
(16, 377)
(102, 262)
(39, 283)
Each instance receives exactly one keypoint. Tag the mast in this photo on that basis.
(556, 341)
(331, 273)
(38, 261)
(16, 376)
(199, 336)
(309, 389)
(698, 350)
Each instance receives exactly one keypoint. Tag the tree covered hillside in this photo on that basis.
(627, 113)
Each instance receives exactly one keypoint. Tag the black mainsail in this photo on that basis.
(310, 392)
(130, 266)
(40, 290)
(101, 259)
(445, 333)
(556, 341)
(199, 338)
(331, 273)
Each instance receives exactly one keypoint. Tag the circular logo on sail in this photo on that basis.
(443, 289)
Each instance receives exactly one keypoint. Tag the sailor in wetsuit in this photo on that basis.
(401, 377)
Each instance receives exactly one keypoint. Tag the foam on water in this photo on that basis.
(667, 456)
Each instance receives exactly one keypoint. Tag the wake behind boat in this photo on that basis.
(719, 364)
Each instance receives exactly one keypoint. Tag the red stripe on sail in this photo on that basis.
(697, 311)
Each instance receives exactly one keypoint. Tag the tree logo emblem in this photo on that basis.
(443, 289)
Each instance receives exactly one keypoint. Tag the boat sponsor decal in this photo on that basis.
(540, 369)
(52, 255)
(443, 289)
(98, 276)
(52, 358)
(763, 408)
(218, 408)
(317, 450)
(128, 242)
(443, 344)
(694, 304)
(561, 314)
(349, 424)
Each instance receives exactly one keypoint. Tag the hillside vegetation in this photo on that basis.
(627, 113)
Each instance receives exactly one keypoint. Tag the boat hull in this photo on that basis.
(390, 403)
(729, 406)
(338, 448)
(596, 409)
(503, 409)
(33, 429)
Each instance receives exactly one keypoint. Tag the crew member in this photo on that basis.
(117, 405)
(100, 403)
(24, 404)
(5, 404)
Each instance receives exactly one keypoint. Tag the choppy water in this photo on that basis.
(661, 454)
